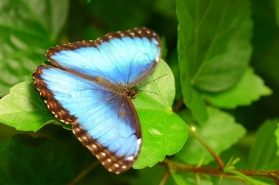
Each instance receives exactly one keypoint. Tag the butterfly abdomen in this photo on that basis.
(119, 89)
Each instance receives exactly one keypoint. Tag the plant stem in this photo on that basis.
(219, 172)
(178, 105)
(164, 178)
(214, 155)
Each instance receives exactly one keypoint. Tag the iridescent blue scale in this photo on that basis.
(89, 85)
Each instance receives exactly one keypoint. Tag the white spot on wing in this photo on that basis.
(108, 160)
(139, 141)
(103, 154)
(155, 42)
(130, 158)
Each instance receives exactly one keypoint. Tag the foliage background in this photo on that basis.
(29, 28)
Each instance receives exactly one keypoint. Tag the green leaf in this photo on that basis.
(213, 47)
(214, 42)
(25, 160)
(23, 108)
(249, 88)
(27, 29)
(164, 132)
(190, 95)
(173, 64)
(220, 132)
(262, 155)
(161, 82)
(194, 101)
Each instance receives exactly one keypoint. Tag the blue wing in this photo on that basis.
(104, 122)
(120, 57)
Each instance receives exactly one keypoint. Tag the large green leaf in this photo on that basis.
(249, 88)
(23, 108)
(25, 160)
(215, 42)
(220, 132)
(164, 132)
(27, 29)
(213, 47)
(262, 155)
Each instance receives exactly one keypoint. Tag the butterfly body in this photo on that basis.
(89, 85)
(119, 89)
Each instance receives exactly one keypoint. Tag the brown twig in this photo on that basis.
(217, 171)
(164, 178)
(178, 105)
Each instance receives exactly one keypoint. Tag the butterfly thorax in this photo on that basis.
(132, 93)
(119, 89)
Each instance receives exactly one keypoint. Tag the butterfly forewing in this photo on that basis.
(89, 86)
(121, 57)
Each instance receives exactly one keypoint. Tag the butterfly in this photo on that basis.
(89, 84)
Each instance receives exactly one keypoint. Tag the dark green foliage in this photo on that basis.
(25, 160)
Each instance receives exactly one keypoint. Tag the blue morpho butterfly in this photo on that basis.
(89, 85)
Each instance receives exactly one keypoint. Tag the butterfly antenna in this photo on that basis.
(148, 91)
(152, 81)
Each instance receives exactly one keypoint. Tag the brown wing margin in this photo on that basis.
(108, 159)
(136, 32)
(52, 104)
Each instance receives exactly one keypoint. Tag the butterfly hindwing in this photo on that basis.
(88, 85)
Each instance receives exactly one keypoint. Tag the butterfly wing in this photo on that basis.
(106, 123)
(121, 57)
